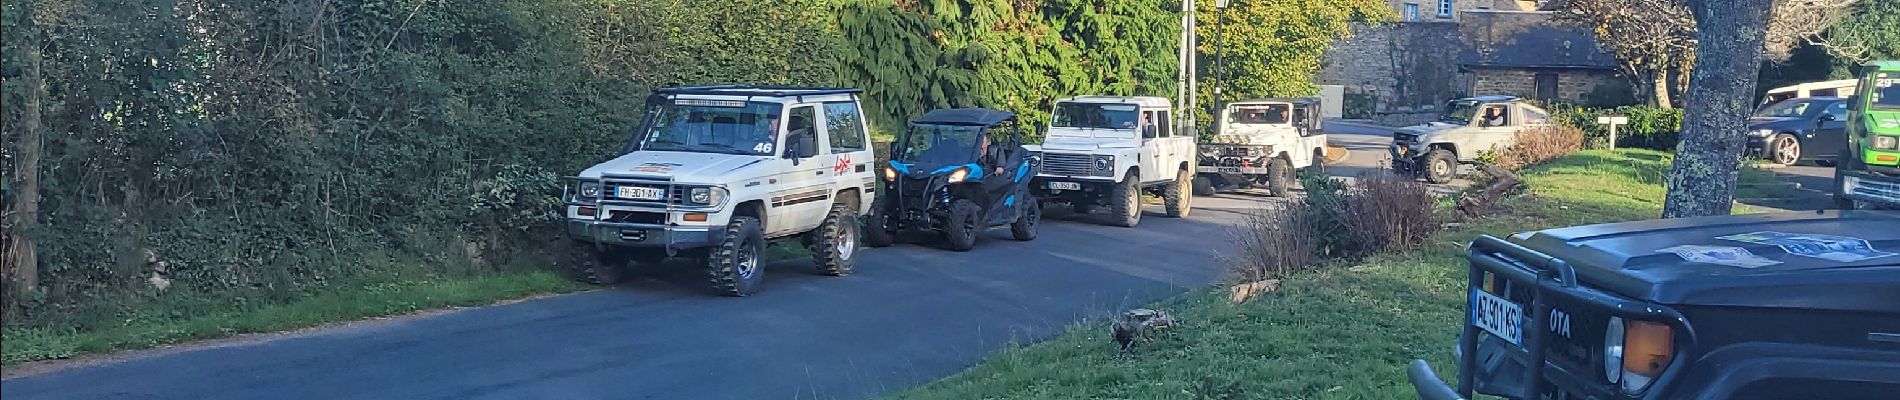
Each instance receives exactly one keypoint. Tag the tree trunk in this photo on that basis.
(22, 213)
(1659, 82)
(1729, 46)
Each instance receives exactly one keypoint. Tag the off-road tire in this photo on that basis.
(1203, 186)
(961, 227)
(1280, 177)
(877, 228)
(1785, 150)
(609, 267)
(1124, 205)
(1439, 166)
(1028, 223)
(743, 242)
(834, 247)
(1179, 195)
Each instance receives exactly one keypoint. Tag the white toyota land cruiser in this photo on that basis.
(1105, 150)
(713, 172)
(1262, 143)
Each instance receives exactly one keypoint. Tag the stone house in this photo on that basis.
(1519, 53)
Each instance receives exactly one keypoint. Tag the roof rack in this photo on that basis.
(756, 90)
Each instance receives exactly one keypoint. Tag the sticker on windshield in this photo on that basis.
(1720, 255)
(656, 167)
(1826, 247)
(1885, 82)
(762, 148)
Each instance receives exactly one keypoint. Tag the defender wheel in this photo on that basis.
(1785, 150)
(610, 267)
(1280, 177)
(736, 265)
(1203, 186)
(961, 227)
(1179, 195)
(877, 229)
(1026, 226)
(835, 249)
(1440, 166)
(1125, 201)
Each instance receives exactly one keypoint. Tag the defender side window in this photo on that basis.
(1164, 124)
(845, 125)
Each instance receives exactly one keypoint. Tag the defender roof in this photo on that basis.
(1492, 99)
(1148, 101)
(964, 116)
(1292, 100)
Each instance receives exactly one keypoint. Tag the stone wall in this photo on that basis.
(1405, 69)
(1573, 85)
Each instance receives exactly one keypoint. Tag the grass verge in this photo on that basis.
(34, 344)
(1345, 331)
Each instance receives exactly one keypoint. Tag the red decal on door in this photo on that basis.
(844, 164)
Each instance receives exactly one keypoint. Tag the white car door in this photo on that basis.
(802, 192)
(848, 147)
(1153, 146)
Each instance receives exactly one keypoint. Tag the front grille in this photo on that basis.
(674, 194)
(1884, 190)
(637, 217)
(1068, 164)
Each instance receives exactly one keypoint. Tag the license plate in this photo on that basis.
(1065, 185)
(639, 193)
(1499, 316)
(1230, 170)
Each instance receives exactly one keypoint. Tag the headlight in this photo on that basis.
(1035, 159)
(890, 173)
(706, 196)
(958, 175)
(1104, 164)
(1761, 132)
(1885, 142)
(1635, 353)
(590, 190)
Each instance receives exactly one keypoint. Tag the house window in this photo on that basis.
(1444, 8)
(1411, 12)
(1546, 85)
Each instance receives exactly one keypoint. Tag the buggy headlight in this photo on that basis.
(706, 196)
(1885, 142)
(890, 173)
(1635, 353)
(958, 175)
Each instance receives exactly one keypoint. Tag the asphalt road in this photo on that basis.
(910, 314)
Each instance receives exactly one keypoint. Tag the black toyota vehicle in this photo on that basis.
(957, 172)
(1764, 306)
(1793, 131)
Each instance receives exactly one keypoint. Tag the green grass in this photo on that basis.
(33, 344)
(1344, 331)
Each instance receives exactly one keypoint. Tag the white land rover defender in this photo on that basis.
(1104, 150)
(1469, 126)
(1262, 143)
(713, 172)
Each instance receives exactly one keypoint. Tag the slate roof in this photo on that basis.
(1532, 40)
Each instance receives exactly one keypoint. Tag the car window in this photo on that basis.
(1534, 116)
(1164, 124)
(1838, 110)
(845, 125)
(800, 125)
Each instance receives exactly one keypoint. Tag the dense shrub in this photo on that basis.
(1537, 145)
(1377, 212)
(1648, 128)
(1273, 243)
(1389, 212)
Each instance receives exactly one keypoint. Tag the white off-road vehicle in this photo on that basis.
(1468, 127)
(1262, 143)
(1105, 150)
(714, 172)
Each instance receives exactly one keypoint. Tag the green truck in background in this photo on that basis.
(1869, 172)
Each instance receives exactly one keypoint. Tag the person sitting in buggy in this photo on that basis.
(945, 176)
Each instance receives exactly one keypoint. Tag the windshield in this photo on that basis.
(1886, 92)
(933, 144)
(1459, 111)
(1259, 114)
(713, 126)
(1785, 109)
(1095, 115)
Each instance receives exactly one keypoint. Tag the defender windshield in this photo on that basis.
(713, 126)
(1460, 111)
(1260, 114)
(1785, 109)
(1886, 91)
(1095, 115)
(933, 144)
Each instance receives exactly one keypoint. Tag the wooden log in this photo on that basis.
(1473, 206)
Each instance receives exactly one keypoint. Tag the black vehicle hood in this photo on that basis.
(1640, 260)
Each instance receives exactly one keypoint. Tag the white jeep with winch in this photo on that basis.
(714, 172)
(1107, 150)
(1262, 143)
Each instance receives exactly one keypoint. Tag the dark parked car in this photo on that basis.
(1764, 306)
(1800, 130)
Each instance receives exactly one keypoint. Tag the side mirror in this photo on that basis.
(1148, 132)
(1826, 118)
